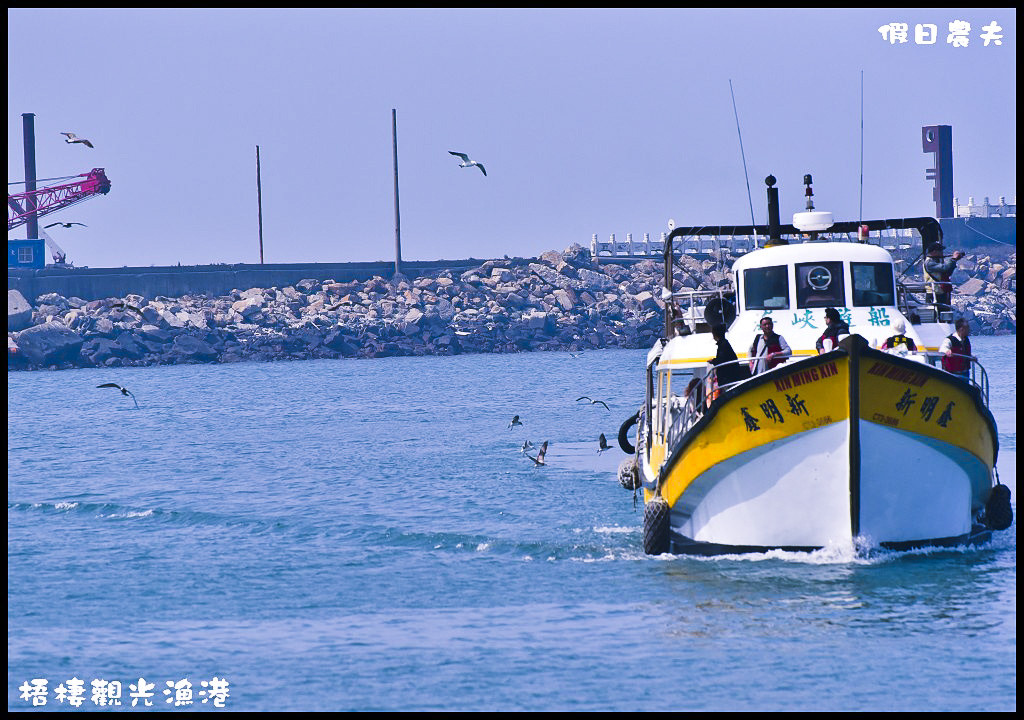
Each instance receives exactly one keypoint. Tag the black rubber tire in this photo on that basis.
(656, 526)
(998, 511)
(629, 476)
(624, 443)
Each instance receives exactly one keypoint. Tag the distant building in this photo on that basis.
(26, 253)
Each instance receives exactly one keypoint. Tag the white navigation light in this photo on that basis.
(812, 221)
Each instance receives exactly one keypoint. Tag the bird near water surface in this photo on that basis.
(466, 162)
(72, 138)
(594, 402)
(603, 443)
(515, 421)
(539, 459)
(124, 391)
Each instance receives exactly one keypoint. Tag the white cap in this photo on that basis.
(899, 326)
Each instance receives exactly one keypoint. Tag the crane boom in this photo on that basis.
(21, 206)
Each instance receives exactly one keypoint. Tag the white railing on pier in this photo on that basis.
(985, 209)
(737, 244)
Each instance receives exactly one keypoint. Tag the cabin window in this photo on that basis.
(766, 288)
(25, 255)
(820, 284)
(872, 284)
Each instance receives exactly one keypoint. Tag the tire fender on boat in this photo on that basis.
(627, 447)
(629, 475)
(656, 526)
(998, 512)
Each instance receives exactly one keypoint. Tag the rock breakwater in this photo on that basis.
(560, 301)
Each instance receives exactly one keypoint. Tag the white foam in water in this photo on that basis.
(65, 506)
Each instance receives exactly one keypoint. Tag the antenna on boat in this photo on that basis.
(860, 216)
(744, 157)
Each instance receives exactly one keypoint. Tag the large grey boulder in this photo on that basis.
(19, 312)
(186, 348)
(49, 343)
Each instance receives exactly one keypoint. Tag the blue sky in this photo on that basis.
(588, 121)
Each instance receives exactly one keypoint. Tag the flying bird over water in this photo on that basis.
(124, 391)
(603, 442)
(594, 402)
(72, 138)
(515, 421)
(67, 225)
(539, 460)
(466, 162)
(526, 446)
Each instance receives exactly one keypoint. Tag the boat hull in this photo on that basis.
(852, 447)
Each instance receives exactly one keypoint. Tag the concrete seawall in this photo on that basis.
(180, 280)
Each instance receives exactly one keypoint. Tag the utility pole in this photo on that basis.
(398, 223)
(28, 126)
(259, 201)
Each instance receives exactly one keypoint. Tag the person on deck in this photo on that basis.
(899, 343)
(727, 369)
(940, 271)
(768, 349)
(834, 327)
(956, 351)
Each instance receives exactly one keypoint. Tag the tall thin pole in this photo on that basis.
(398, 222)
(259, 200)
(743, 155)
(28, 127)
(860, 217)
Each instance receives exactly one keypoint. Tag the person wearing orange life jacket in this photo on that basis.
(769, 349)
(956, 351)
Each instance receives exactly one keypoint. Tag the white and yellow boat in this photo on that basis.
(854, 446)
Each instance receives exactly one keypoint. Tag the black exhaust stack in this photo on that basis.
(774, 232)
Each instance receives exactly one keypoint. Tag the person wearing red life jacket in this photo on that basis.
(956, 350)
(768, 349)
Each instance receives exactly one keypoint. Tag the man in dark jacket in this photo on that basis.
(834, 327)
(939, 271)
(728, 370)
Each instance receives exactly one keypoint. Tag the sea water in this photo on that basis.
(368, 535)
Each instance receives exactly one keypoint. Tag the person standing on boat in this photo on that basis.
(940, 271)
(769, 348)
(956, 351)
(727, 369)
(834, 327)
(899, 343)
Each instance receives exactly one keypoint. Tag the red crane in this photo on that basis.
(22, 206)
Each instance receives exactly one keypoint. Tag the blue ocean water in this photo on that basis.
(366, 535)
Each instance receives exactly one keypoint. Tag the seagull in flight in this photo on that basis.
(124, 391)
(466, 162)
(72, 138)
(603, 442)
(67, 225)
(594, 402)
(526, 446)
(515, 421)
(539, 460)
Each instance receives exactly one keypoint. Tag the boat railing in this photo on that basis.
(688, 410)
(696, 311)
(929, 310)
(977, 375)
